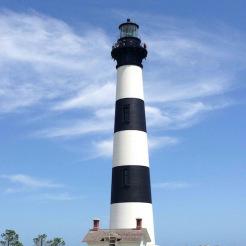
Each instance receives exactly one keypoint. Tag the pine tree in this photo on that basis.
(10, 238)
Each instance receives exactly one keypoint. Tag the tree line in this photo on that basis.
(11, 238)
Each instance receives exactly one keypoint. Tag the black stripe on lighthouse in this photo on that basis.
(129, 115)
(130, 184)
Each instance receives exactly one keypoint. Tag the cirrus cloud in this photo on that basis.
(58, 71)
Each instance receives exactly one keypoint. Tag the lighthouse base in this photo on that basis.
(124, 215)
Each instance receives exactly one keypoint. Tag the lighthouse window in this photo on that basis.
(128, 30)
(126, 177)
(126, 113)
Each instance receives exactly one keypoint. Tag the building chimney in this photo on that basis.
(95, 224)
(139, 224)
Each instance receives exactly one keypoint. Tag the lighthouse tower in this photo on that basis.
(130, 191)
(131, 214)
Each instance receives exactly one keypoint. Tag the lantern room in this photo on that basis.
(128, 29)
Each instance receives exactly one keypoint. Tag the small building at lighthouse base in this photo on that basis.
(117, 237)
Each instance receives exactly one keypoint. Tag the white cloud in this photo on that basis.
(105, 113)
(43, 59)
(65, 196)
(34, 188)
(161, 142)
(91, 96)
(77, 129)
(156, 117)
(57, 70)
(182, 90)
(12, 190)
(174, 185)
(186, 114)
(27, 181)
(103, 148)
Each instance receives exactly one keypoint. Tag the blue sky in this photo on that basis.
(57, 93)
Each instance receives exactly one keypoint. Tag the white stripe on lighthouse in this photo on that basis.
(130, 148)
(129, 82)
(123, 215)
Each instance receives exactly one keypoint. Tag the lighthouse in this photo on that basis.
(131, 191)
(131, 213)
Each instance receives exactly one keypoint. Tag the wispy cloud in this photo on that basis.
(101, 121)
(65, 196)
(27, 181)
(77, 129)
(174, 185)
(34, 188)
(56, 70)
(53, 61)
(184, 114)
(91, 96)
(162, 142)
(103, 148)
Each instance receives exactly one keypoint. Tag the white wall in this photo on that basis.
(123, 215)
(129, 82)
(130, 148)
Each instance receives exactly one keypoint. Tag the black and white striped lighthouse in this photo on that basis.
(131, 214)
(130, 191)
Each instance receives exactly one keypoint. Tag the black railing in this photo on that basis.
(129, 43)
